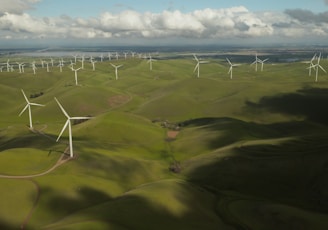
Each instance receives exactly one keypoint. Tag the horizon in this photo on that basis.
(43, 23)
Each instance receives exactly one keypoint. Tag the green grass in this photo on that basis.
(252, 149)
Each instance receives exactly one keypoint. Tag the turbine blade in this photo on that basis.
(196, 67)
(80, 118)
(229, 61)
(63, 110)
(36, 104)
(195, 57)
(322, 69)
(24, 109)
(62, 131)
(25, 96)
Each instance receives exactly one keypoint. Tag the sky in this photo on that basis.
(47, 23)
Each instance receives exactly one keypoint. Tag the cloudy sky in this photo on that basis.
(142, 22)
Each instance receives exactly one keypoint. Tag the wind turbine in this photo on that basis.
(93, 64)
(75, 57)
(82, 61)
(42, 63)
(257, 60)
(8, 66)
(231, 66)
(262, 63)
(28, 106)
(69, 124)
(34, 67)
(75, 70)
(116, 67)
(21, 67)
(311, 64)
(197, 67)
(150, 61)
(316, 67)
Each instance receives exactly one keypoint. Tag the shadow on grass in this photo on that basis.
(132, 211)
(290, 172)
(311, 103)
(5, 225)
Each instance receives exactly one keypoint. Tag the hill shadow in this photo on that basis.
(131, 211)
(311, 103)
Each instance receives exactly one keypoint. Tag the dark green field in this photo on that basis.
(165, 149)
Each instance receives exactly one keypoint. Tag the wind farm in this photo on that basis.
(231, 148)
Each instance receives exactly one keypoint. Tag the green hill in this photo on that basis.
(165, 149)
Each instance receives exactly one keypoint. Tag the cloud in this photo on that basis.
(208, 24)
(326, 1)
(16, 6)
(308, 16)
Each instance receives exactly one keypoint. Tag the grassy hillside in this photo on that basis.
(247, 152)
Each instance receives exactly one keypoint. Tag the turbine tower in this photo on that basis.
(28, 106)
(116, 67)
(69, 124)
(231, 67)
(75, 70)
(150, 61)
(34, 67)
(93, 64)
(197, 67)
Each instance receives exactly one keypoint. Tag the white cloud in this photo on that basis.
(16, 6)
(215, 24)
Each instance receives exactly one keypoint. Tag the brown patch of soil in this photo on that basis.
(172, 134)
(118, 100)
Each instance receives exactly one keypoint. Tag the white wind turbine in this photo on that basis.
(117, 55)
(197, 67)
(20, 67)
(75, 57)
(69, 124)
(93, 62)
(82, 61)
(60, 65)
(34, 67)
(42, 63)
(116, 67)
(47, 64)
(231, 67)
(101, 57)
(75, 70)
(109, 56)
(52, 62)
(150, 61)
(28, 106)
(311, 64)
(316, 67)
(8, 66)
(257, 60)
(262, 63)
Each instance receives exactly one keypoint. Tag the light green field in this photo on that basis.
(251, 150)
